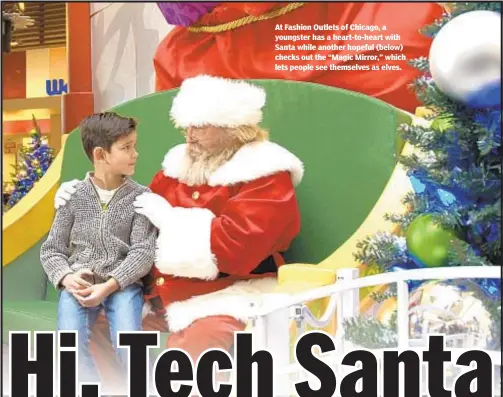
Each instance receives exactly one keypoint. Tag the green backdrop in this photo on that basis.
(347, 141)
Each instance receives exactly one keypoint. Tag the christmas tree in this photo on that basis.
(32, 165)
(454, 216)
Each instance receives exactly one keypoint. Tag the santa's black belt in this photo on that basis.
(268, 265)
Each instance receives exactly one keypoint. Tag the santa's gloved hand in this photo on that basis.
(156, 208)
(64, 193)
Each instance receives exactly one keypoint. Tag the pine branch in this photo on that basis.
(411, 199)
(417, 204)
(492, 250)
(381, 250)
(462, 254)
(489, 213)
(402, 220)
(460, 8)
(421, 64)
(449, 219)
(369, 333)
(422, 137)
(431, 170)
(379, 297)
(429, 94)
(477, 179)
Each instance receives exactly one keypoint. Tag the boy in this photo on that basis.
(99, 249)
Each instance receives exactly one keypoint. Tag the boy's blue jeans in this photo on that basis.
(123, 310)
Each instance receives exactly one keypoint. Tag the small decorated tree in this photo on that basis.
(33, 164)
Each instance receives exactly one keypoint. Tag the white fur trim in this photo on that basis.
(254, 160)
(204, 100)
(257, 160)
(184, 246)
(174, 160)
(235, 301)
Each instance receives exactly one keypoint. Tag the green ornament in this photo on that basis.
(428, 241)
(442, 123)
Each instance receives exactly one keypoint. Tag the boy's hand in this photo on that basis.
(76, 281)
(95, 294)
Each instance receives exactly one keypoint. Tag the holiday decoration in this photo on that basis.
(456, 308)
(454, 210)
(9, 188)
(459, 309)
(428, 241)
(465, 58)
(442, 123)
(32, 165)
(185, 13)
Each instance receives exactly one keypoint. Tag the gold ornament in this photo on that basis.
(23, 174)
(35, 163)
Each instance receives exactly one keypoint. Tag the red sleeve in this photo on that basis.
(262, 218)
(156, 183)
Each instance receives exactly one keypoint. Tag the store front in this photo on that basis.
(40, 62)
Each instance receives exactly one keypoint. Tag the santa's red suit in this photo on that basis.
(224, 236)
(220, 243)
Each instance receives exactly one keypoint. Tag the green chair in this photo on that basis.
(348, 144)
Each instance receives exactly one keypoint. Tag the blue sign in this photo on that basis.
(56, 87)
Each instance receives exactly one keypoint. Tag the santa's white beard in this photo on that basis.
(197, 169)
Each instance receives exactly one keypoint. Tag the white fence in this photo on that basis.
(274, 315)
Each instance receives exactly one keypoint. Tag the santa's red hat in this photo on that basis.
(207, 100)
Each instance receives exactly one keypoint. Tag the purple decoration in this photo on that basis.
(185, 14)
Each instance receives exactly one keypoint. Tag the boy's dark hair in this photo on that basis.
(103, 130)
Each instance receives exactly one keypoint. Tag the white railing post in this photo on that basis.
(297, 316)
(402, 314)
(350, 298)
(273, 335)
(348, 302)
(402, 323)
(258, 328)
(348, 305)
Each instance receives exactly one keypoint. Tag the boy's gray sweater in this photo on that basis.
(112, 241)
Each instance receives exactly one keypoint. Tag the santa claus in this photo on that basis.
(225, 206)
